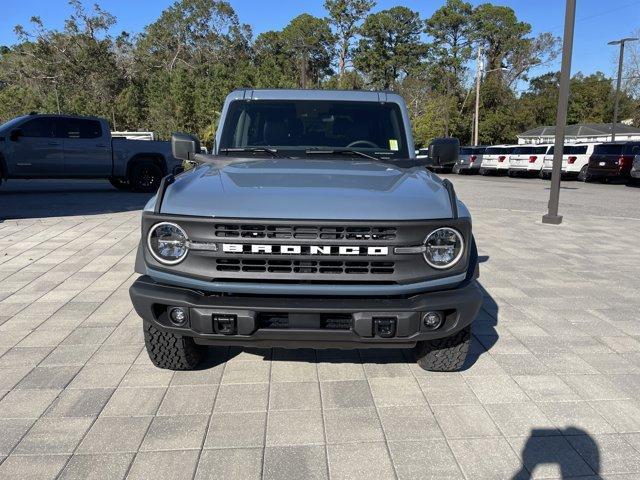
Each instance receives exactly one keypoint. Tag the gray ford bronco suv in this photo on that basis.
(312, 224)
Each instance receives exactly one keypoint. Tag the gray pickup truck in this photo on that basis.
(65, 146)
(312, 224)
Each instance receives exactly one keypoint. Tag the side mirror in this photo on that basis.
(444, 151)
(184, 147)
(16, 134)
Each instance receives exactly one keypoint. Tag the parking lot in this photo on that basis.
(551, 389)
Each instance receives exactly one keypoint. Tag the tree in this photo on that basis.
(345, 16)
(274, 66)
(390, 46)
(73, 70)
(506, 43)
(309, 41)
(188, 60)
(591, 99)
(450, 29)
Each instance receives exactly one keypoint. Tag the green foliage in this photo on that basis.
(345, 16)
(390, 47)
(309, 42)
(175, 74)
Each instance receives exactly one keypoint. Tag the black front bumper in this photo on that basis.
(298, 322)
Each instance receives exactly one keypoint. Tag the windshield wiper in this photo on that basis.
(271, 151)
(341, 151)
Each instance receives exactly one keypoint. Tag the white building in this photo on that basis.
(582, 132)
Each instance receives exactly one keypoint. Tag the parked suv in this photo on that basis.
(470, 159)
(612, 160)
(575, 160)
(311, 225)
(527, 160)
(68, 146)
(496, 159)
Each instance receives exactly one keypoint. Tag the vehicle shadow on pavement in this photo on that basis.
(51, 198)
(575, 454)
(483, 328)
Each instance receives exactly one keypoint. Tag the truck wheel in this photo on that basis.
(171, 351)
(145, 177)
(444, 354)
(120, 183)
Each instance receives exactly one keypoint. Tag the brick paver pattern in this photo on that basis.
(552, 385)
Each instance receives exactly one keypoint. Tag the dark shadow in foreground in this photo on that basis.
(575, 452)
(63, 198)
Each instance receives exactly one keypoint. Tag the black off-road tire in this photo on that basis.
(145, 176)
(444, 354)
(171, 351)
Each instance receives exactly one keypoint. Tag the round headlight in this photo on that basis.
(444, 247)
(168, 243)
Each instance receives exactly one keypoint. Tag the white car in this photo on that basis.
(575, 160)
(469, 160)
(527, 159)
(496, 159)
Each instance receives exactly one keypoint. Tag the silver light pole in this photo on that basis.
(561, 117)
(620, 42)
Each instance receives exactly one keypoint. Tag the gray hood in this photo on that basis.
(345, 189)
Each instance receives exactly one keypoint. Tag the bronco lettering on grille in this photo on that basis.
(302, 249)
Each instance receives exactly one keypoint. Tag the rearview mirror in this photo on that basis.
(16, 134)
(184, 147)
(444, 151)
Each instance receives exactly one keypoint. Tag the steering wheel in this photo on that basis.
(363, 143)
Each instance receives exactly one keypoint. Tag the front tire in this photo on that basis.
(171, 351)
(444, 354)
(146, 176)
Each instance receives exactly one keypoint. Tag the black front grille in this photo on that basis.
(303, 232)
(368, 266)
(335, 267)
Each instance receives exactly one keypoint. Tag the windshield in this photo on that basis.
(8, 125)
(295, 126)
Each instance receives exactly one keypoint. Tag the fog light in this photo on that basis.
(178, 316)
(432, 320)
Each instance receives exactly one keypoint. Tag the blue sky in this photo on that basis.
(597, 21)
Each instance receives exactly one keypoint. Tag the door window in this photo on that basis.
(38, 127)
(80, 128)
